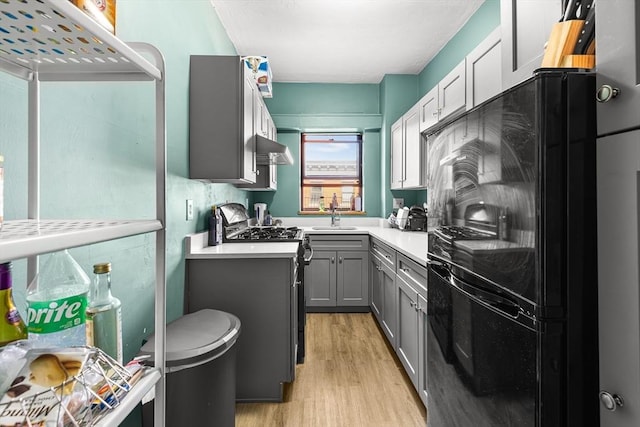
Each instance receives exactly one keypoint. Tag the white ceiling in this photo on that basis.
(343, 41)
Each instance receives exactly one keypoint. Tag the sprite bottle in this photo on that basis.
(57, 303)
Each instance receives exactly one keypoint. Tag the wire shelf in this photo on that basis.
(75, 386)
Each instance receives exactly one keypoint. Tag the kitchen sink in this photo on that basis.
(337, 227)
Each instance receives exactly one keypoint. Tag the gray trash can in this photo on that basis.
(200, 370)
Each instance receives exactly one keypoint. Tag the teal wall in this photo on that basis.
(312, 107)
(297, 107)
(98, 156)
(477, 28)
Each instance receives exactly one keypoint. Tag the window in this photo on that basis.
(331, 164)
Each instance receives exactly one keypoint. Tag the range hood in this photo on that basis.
(270, 152)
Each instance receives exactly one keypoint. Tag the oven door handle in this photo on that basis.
(307, 261)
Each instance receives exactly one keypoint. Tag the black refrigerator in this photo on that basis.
(512, 280)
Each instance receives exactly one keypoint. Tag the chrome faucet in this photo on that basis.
(335, 218)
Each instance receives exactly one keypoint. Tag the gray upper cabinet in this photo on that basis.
(447, 97)
(484, 70)
(526, 26)
(617, 62)
(407, 152)
(222, 126)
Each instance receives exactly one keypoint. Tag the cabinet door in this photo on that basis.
(377, 291)
(452, 92)
(397, 155)
(413, 169)
(320, 279)
(422, 348)
(526, 26)
(617, 63)
(389, 304)
(428, 106)
(407, 338)
(484, 66)
(618, 192)
(352, 279)
(249, 128)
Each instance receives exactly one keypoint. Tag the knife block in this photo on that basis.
(578, 61)
(562, 41)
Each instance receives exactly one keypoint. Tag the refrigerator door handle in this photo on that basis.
(499, 302)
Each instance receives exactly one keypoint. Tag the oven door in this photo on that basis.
(481, 368)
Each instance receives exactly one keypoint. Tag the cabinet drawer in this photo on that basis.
(384, 252)
(412, 273)
(342, 243)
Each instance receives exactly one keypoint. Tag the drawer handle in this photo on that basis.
(333, 260)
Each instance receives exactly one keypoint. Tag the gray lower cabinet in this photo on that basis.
(383, 302)
(338, 276)
(423, 329)
(376, 291)
(263, 296)
(408, 349)
(412, 292)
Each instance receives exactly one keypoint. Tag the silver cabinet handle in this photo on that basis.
(340, 260)
(606, 93)
(333, 260)
(611, 401)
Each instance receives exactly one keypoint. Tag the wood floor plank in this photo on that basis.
(350, 378)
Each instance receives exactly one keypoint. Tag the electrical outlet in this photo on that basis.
(189, 209)
(398, 203)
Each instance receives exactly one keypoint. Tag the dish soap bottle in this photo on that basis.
(12, 327)
(104, 314)
(215, 226)
(57, 303)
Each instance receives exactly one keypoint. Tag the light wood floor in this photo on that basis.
(350, 378)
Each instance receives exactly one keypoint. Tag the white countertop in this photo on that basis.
(196, 248)
(411, 243)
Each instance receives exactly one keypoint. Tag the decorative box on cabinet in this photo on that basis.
(224, 119)
(338, 276)
(109, 60)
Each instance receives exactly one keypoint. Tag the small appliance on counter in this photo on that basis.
(417, 219)
(260, 210)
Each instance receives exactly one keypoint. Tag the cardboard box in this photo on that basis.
(261, 69)
(102, 11)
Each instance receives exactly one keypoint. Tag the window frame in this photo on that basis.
(340, 181)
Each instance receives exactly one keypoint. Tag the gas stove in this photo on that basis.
(265, 233)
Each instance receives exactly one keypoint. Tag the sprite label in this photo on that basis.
(45, 317)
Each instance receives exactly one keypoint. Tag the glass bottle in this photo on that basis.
(12, 328)
(104, 314)
(57, 302)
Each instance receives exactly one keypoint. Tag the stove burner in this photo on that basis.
(267, 234)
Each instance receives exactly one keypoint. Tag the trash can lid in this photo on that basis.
(202, 333)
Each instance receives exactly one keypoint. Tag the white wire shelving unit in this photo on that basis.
(54, 41)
